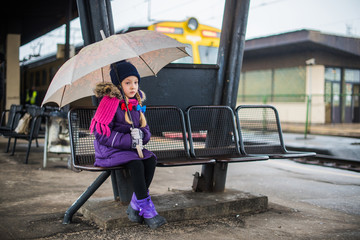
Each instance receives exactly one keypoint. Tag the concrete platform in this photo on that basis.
(179, 206)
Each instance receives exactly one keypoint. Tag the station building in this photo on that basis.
(304, 71)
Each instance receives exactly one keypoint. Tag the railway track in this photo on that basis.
(331, 161)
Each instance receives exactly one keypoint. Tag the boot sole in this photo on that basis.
(133, 215)
(155, 222)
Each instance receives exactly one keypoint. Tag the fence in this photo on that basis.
(302, 110)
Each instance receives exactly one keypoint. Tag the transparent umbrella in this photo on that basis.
(148, 51)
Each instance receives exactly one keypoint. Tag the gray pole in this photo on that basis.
(96, 15)
(67, 29)
(231, 51)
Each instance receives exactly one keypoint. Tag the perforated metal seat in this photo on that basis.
(213, 134)
(82, 142)
(169, 138)
(260, 130)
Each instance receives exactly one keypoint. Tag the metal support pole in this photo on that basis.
(96, 15)
(46, 144)
(124, 184)
(231, 51)
(115, 186)
(232, 76)
(85, 196)
(67, 30)
(308, 103)
(220, 170)
(205, 181)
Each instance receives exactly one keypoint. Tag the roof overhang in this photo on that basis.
(303, 40)
(33, 19)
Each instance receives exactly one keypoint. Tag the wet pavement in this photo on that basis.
(337, 146)
(305, 201)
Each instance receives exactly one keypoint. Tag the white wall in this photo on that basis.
(296, 112)
(12, 70)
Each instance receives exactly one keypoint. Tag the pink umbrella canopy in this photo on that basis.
(148, 51)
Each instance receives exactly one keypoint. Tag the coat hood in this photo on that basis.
(110, 90)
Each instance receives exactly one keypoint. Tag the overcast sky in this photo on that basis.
(266, 17)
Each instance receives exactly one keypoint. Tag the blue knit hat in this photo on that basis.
(124, 70)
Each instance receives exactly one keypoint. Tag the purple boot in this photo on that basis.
(133, 211)
(148, 212)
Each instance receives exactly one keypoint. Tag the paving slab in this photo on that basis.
(179, 206)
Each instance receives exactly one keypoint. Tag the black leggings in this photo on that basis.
(142, 173)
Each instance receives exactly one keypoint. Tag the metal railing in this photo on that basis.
(310, 101)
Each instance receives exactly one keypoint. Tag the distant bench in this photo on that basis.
(204, 135)
(16, 112)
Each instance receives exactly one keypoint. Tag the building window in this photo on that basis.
(273, 85)
(255, 85)
(352, 75)
(332, 85)
(333, 74)
(289, 84)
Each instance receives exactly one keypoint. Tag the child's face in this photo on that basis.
(130, 86)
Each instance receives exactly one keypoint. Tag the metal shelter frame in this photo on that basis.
(96, 15)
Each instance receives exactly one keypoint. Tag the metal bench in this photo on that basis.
(12, 121)
(36, 114)
(168, 142)
(213, 134)
(169, 137)
(260, 131)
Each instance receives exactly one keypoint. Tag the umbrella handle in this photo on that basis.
(138, 148)
(139, 151)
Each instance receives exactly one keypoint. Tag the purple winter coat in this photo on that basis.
(116, 149)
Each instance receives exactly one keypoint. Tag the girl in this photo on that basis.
(115, 139)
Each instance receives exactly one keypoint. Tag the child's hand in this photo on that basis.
(136, 133)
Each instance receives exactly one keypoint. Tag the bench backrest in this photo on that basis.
(13, 118)
(259, 129)
(36, 114)
(82, 142)
(212, 131)
(167, 126)
(168, 132)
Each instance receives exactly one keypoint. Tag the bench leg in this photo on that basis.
(8, 145)
(220, 170)
(115, 186)
(13, 149)
(28, 152)
(204, 182)
(124, 184)
(212, 178)
(85, 196)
